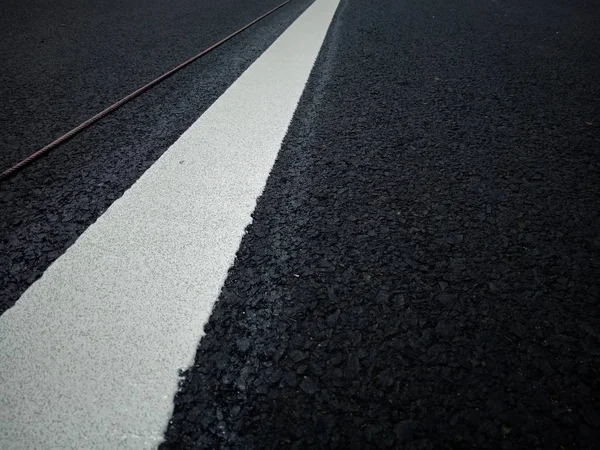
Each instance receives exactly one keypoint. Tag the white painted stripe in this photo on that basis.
(89, 355)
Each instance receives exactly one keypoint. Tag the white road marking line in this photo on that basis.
(89, 355)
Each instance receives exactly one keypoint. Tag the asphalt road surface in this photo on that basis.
(357, 224)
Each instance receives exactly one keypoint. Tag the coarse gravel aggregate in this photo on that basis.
(88, 56)
(422, 270)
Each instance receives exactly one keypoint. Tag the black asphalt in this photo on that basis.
(423, 267)
(63, 61)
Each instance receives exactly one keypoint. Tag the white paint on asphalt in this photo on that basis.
(89, 355)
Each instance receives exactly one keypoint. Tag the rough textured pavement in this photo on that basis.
(422, 270)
